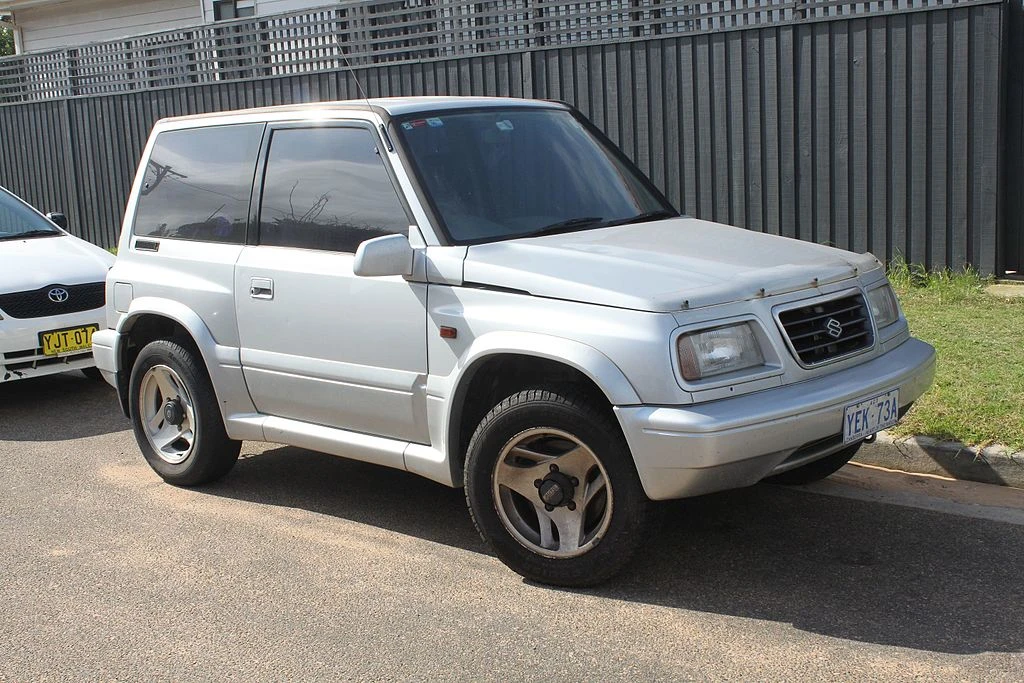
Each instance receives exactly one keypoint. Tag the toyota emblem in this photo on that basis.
(58, 295)
(834, 328)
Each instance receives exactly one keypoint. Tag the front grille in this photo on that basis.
(827, 330)
(37, 304)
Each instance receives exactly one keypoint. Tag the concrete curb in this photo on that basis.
(923, 455)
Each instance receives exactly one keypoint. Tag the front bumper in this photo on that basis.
(20, 355)
(683, 451)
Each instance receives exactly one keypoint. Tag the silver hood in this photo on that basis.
(665, 266)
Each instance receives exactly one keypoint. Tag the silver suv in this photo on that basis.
(488, 293)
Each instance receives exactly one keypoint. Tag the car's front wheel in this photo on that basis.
(175, 416)
(552, 487)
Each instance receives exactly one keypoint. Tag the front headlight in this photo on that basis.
(884, 307)
(717, 351)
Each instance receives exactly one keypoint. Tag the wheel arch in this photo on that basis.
(150, 319)
(499, 365)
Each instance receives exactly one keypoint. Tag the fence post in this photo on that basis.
(71, 169)
(70, 56)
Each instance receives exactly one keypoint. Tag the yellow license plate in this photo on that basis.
(56, 342)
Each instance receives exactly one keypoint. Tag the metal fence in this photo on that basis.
(879, 132)
(1011, 247)
(391, 31)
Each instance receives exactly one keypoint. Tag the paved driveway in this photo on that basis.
(302, 566)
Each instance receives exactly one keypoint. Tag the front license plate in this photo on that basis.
(863, 419)
(57, 342)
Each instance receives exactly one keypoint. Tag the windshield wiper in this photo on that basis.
(567, 226)
(644, 217)
(29, 233)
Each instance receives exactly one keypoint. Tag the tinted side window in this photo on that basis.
(327, 188)
(198, 183)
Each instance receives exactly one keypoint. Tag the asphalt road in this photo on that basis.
(304, 566)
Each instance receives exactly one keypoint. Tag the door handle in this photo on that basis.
(261, 288)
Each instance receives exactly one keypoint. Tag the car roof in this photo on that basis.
(392, 106)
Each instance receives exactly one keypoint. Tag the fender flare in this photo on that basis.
(591, 362)
(214, 356)
(588, 360)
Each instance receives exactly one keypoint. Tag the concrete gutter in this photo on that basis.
(923, 455)
(1006, 290)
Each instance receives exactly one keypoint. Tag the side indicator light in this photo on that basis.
(449, 332)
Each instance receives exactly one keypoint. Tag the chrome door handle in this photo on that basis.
(261, 288)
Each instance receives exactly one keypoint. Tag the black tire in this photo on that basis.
(563, 410)
(93, 373)
(817, 470)
(212, 453)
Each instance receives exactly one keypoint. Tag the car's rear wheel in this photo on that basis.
(175, 416)
(552, 487)
(817, 470)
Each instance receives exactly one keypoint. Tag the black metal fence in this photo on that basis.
(872, 126)
(1011, 247)
(360, 32)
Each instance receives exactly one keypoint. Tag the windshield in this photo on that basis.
(17, 220)
(494, 174)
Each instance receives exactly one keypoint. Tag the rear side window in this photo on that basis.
(327, 188)
(198, 183)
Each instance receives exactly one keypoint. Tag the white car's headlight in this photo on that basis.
(884, 307)
(717, 351)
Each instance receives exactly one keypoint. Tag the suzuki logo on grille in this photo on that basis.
(58, 295)
(834, 328)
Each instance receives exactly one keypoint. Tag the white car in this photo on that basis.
(485, 292)
(51, 294)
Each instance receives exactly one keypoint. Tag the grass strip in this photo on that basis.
(978, 395)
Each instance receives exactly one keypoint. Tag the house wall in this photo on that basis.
(78, 22)
(265, 7)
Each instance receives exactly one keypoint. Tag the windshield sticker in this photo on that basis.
(435, 123)
(407, 126)
(504, 124)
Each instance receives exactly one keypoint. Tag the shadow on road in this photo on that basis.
(58, 408)
(843, 568)
(379, 496)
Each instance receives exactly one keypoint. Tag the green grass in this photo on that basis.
(978, 395)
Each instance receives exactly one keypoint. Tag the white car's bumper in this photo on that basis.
(21, 356)
(685, 451)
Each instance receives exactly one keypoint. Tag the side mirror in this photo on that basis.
(58, 219)
(387, 255)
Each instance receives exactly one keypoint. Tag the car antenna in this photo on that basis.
(369, 107)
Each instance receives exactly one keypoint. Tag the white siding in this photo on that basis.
(78, 22)
(265, 7)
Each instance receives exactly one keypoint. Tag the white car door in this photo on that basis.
(318, 343)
